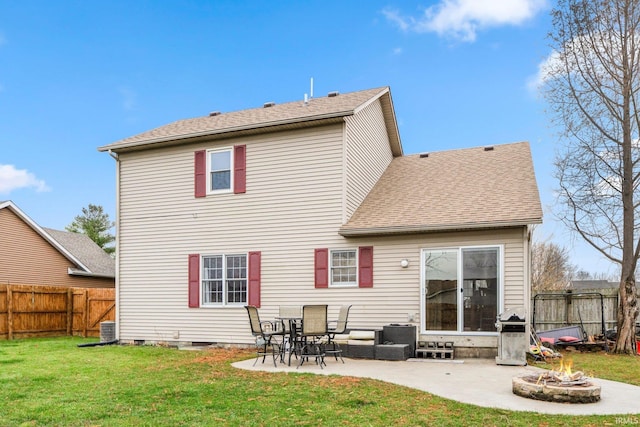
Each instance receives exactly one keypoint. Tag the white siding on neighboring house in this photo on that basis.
(367, 154)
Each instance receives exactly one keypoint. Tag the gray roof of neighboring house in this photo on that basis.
(86, 251)
(484, 187)
(592, 284)
(290, 115)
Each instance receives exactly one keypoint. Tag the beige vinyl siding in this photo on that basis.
(293, 199)
(292, 206)
(367, 154)
(395, 297)
(396, 292)
(27, 258)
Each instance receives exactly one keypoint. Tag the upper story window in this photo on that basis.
(219, 166)
(344, 267)
(220, 170)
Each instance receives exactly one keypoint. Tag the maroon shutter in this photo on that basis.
(194, 280)
(200, 173)
(321, 266)
(365, 267)
(254, 278)
(240, 169)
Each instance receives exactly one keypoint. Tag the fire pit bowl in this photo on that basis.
(544, 387)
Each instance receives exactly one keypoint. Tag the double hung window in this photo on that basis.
(224, 280)
(220, 165)
(344, 267)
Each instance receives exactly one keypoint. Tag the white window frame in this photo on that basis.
(347, 284)
(460, 298)
(225, 280)
(209, 170)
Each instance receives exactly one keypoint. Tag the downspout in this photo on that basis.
(527, 235)
(117, 282)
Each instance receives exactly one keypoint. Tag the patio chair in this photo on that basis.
(310, 339)
(337, 327)
(266, 334)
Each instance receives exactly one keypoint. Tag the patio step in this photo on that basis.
(435, 349)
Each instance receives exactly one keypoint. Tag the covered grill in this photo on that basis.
(512, 340)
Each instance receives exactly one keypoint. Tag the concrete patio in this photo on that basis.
(475, 381)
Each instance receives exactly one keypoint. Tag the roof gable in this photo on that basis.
(458, 189)
(81, 253)
(316, 111)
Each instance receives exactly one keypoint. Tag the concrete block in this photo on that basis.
(393, 351)
(361, 351)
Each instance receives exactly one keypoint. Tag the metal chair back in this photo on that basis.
(314, 320)
(289, 314)
(289, 311)
(254, 320)
(343, 316)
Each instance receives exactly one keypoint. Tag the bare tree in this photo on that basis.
(592, 83)
(551, 269)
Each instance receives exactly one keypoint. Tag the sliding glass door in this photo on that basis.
(461, 289)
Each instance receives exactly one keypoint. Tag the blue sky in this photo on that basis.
(75, 75)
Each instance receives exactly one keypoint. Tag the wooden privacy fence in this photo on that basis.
(551, 311)
(37, 311)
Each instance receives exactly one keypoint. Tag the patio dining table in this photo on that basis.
(291, 342)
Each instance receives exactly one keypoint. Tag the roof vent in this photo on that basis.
(214, 113)
(334, 93)
(424, 155)
(488, 148)
(269, 104)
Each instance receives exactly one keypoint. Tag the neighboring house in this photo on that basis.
(592, 285)
(314, 202)
(34, 255)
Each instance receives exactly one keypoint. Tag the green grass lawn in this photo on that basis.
(46, 382)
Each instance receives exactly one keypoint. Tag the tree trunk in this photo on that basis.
(627, 313)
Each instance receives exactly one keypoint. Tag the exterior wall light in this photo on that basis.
(404, 263)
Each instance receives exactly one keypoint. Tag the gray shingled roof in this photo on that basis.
(457, 189)
(582, 285)
(259, 120)
(86, 251)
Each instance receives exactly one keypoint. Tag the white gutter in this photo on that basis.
(117, 281)
(75, 272)
(210, 132)
(400, 229)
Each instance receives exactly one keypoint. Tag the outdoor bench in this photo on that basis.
(562, 336)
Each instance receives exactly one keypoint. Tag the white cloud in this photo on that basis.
(462, 19)
(545, 68)
(581, 53)
(394, 16)
(397, 51)
(3, 39)
(13, 179)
